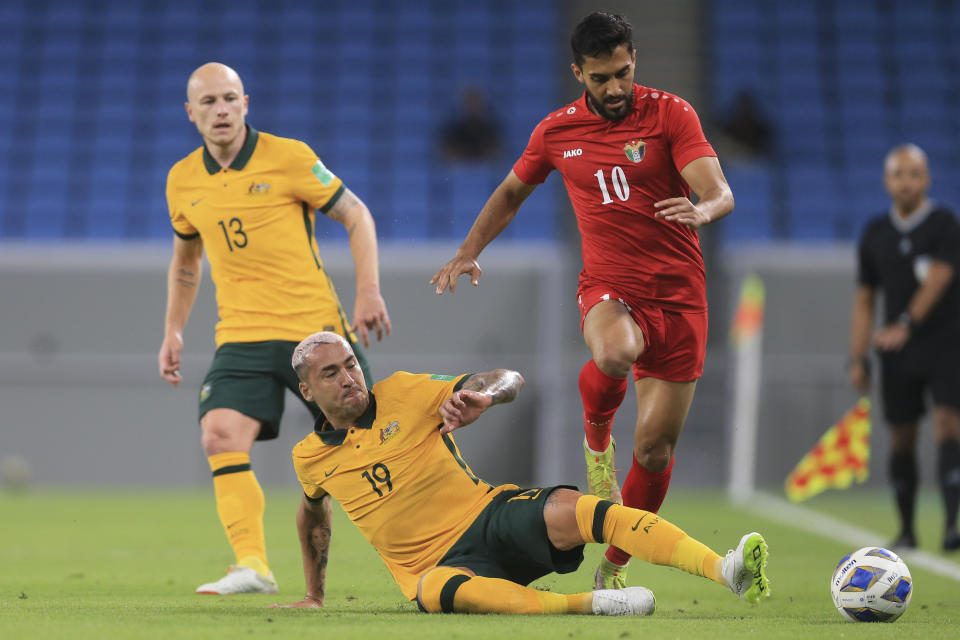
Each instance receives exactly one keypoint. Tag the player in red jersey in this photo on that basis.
(629, 156)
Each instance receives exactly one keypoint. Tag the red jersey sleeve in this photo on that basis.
(682, 126)
(534, 165)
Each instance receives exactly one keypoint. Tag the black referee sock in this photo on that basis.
(903, 474)
(948, 473)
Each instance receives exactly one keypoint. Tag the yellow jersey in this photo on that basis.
(400, 482)
(256, 220)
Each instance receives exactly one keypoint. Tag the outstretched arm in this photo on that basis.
(479, 392)
(183, 280)
(492, 219)
(313, 527)
(369, 311)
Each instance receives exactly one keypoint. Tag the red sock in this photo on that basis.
(601, 395)
(641, 490)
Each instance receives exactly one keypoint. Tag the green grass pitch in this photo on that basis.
(109, 564)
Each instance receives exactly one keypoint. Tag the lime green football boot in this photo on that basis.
(610, 576)
(601, 474)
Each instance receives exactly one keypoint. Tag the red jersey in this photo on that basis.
(614, 172)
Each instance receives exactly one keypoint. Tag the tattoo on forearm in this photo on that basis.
(503, 384)
(186, 278)
(320, 546)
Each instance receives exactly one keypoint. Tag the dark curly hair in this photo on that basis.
(599, 34)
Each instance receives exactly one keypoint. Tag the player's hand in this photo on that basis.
(891, 338)
(370, 314)
(168, 359)
(681, 211)
(859, 376)
(447, 276)
(462, 408)
(308, 602)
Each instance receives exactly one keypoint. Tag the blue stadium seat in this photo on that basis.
(752, 190)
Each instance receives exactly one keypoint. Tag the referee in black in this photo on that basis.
(912, 255)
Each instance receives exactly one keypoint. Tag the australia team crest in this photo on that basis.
(635, 150)
(389, 431)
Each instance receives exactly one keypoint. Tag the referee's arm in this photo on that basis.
(861, 328)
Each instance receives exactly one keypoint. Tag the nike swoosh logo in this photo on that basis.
(330, 473)
(194, 203)
(637, 526)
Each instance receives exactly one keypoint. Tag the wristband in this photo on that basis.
(905, 321)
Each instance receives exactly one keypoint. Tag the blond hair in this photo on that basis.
(311, 342)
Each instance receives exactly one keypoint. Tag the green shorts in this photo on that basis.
(252, 377)
(509, 540)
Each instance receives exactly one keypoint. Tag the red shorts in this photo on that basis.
(675, 341)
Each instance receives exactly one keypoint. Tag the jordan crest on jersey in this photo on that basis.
(635, 150)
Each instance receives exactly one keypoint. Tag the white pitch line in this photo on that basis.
(828, 527)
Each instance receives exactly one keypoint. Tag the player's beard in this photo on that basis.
(602, 110)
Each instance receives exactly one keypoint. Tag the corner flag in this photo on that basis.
(841, 456)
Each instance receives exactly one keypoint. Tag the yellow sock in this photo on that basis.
(450, 590)
(240, 505)
(645, 535)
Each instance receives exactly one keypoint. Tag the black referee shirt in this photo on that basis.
(895, 256)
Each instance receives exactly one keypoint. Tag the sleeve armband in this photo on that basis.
(333, 199)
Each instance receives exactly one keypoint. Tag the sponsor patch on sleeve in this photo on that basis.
(322, 174)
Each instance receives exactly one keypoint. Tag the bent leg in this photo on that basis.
(615, 342)
(459, 590)
(227, 437)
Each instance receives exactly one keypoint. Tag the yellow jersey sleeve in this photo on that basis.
(311, 181)
(178, 219)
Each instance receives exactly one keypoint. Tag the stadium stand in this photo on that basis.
(843, 82)
(92, 117)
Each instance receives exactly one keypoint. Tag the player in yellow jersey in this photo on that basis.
(453, 542)
(247, 199)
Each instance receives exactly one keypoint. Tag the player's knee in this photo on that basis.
(615, 359)
(437, 588)
(560, 517)
(654, 455)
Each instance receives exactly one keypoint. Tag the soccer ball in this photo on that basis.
(871, 584)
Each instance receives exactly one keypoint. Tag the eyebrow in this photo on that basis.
(594, 74)
(333, 367)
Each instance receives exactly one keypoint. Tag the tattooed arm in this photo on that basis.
(313, 528)
(369, 311)
(183, 280)
(479, 392)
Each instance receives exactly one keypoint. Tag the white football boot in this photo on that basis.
(745, 568)
(240, 580)
(632, 601)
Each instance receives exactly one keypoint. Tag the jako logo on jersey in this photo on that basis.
(389, 431)
(571, 153)
(635, 150)
(256, 188)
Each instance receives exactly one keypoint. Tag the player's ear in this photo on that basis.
(186, 105)
(246, 104)
(305, 392)
(577, 72)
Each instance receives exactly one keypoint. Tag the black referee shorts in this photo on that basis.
(905, 378)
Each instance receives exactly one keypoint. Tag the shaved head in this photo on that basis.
(904, 151)
(211, 73)
(906, 176)
(217, 105)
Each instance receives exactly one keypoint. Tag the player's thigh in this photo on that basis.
(611, 331)
(246, 378)
(945, 389)
(662, 408)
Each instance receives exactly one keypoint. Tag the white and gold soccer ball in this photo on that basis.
(871, 584)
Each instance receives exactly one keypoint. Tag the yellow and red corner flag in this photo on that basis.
(841, 456)
(748, 319)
